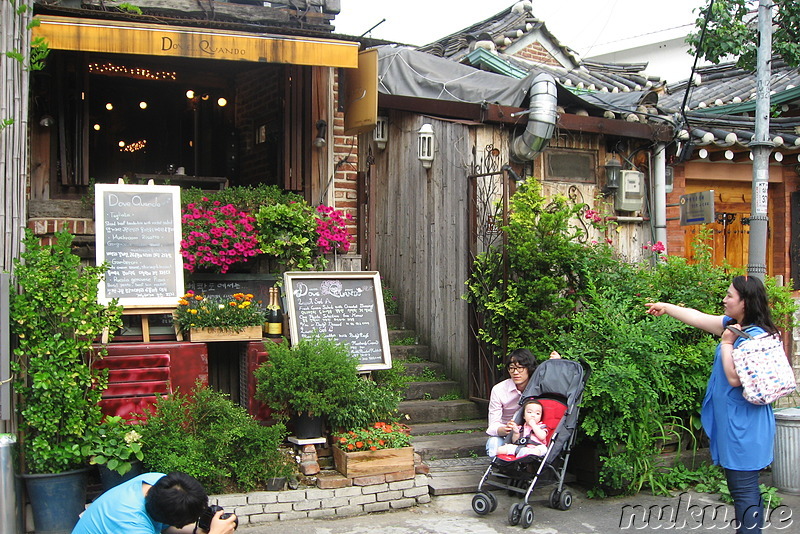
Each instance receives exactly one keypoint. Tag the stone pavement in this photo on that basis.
(685, 513)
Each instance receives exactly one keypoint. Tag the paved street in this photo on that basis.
(690, 512)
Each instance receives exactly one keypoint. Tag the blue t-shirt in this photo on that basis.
(121, 509)
(740, 433)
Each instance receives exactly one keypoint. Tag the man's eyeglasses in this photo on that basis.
(514, 369)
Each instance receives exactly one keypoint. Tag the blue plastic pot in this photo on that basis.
(57, 500)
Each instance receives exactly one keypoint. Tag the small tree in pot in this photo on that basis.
(56, 318)
(312, 378)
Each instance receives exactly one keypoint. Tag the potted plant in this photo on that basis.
(378, 449)
(56, 319)
(308, 380)
(218, 318)
(116, 447)
(216, 236)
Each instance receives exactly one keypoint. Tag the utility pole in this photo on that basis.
(761, 146)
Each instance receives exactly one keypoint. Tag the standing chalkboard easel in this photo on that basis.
(138, 236)
(347, 306)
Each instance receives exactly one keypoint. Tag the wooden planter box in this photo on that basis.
(205, 335)
(368, 463)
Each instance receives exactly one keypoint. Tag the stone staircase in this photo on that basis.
(448, 431)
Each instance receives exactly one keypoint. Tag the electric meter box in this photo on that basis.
(630, 195)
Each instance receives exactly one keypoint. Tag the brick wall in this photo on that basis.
(258, 103)
(536, 53)
(267, 506)
(345, 165)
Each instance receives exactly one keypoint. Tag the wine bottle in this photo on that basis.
(274, 314)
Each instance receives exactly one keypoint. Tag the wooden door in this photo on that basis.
(731, 231)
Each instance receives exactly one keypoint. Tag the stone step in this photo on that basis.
(427, 367)
(398, 335)
(464, 425)
(431, 390)
(455, 476)
(403, 352)
(395, 321)
(434, 411)
(459, 445)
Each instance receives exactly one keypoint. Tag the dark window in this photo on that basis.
(570, 166)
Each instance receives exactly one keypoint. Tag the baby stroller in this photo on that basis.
(558, 386)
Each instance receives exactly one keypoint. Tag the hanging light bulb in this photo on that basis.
(222, 102)
(143, 104)
(189, 94)
(96, 127)
(109, 106)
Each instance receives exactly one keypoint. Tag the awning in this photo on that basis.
(113, 37)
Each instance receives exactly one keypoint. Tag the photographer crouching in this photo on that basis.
(155, 503)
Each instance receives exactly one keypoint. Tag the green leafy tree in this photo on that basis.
(731, 30)
(56, 318)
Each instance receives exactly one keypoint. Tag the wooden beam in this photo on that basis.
(113, 37)
(494, 113)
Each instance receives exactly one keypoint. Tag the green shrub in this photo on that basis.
(216, 441)
(648, 373)
(317, 376)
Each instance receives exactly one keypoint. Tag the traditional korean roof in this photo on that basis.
(498, 44)
(720, 108)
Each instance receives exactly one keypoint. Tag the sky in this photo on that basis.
(580, 24)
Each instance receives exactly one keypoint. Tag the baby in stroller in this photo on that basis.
(529, 438)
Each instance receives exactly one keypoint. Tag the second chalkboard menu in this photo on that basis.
(347, 306)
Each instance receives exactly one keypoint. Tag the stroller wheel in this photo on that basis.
(555, 497)
(527, 516)
(492, 502)
(514, 514)
(482, 503)
(565, 501)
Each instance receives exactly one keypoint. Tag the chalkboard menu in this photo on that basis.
(347, 306)
(138, 235)
(225, 285)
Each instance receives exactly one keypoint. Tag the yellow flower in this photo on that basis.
(193, 312)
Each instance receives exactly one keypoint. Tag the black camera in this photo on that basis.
(204, 522)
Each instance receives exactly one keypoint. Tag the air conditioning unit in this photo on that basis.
(630, 195)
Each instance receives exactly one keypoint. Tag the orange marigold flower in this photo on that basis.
(342, 440)
(198, 297)
(381, 442)
(350, 446)
(359, 444)
(373, 448)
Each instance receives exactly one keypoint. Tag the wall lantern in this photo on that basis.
(613, 170)
(381, 132)
(426, 145)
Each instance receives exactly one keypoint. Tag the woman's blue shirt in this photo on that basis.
(741, 434)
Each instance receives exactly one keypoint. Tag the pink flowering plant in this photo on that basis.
(216, 236)
(332, 230)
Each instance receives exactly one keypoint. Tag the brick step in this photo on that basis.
(430, 390)
(433, 411)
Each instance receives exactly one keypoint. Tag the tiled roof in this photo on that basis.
(720, 108)
(726, 84)
(512, 25)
